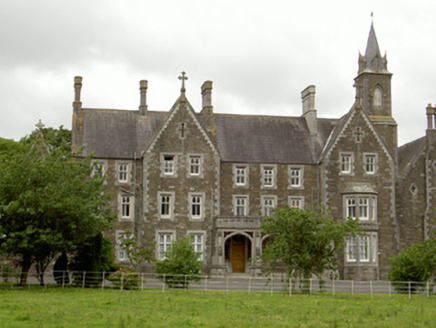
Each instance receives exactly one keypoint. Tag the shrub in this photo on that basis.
(416, 263)
(125, 278)
(180, 265)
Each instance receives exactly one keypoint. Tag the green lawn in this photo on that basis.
(115, 308)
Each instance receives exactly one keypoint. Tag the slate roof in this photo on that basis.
(121, 134)
(408, 153)
(268, 139)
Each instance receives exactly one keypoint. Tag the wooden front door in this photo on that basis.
(238, 256)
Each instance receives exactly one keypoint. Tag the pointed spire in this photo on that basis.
(372, 61)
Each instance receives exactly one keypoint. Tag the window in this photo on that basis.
(168, 165)
(361, 207)
(296, 202)
(378, 97)
(121, 254)
(164, 241)
(362, 248)
(241, 205)
(296, 177)
(241, 175)
(197, 241)
(126, 207)
(196, 207)
(269, 204)
(268, 176)
(123, 172)
(166, 202)
(194, 165)
(346, 163)
(98, 169)
(370, 163)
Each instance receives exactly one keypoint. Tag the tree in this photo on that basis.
(180, 265)
(49, 202)
(415, 263)
(304, 241)
(136, 254)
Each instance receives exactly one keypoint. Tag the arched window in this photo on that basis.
(378, 97)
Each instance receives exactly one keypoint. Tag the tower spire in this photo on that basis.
(372, 61)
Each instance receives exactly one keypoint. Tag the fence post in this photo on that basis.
(410, 290)
(227, 284)
(249, 285)
(310, 286)
(428, 291)
(142, 281)
(83, 279)
(333, 286)
(205, 284)
(370, 288)
(272, 284)
(390, 289)
(102, 280)
(352, 287)
(122, 281)
(290, 287)
(163, 282)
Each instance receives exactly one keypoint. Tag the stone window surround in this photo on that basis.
(263, 198)
(104, 168)
(128, 172)
(172, 234)
(200, 174)
(273, 167)
(203, 244)
(247, 175)
(371, 249)
(299, 168)
(162, 166)
(202, 196)
(172, 196)
(371, 206)
(350, 170)
(299, 199)
(375, 164)
(120, 253)
(120, 206)
(246, 205)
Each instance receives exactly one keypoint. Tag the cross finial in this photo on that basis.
(372, 17)
(183, 77)
(40, 125)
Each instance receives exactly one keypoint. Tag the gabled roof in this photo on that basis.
(109, 133)
(409, 153)
(268, 139)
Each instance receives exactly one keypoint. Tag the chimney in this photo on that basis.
(430, 117)
(77, 104)
(309, 110)
(143, 85)
(207, 110)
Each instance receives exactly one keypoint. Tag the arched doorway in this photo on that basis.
(238, 252)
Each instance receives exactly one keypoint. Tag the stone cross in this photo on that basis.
(183, 78)
(358, 134)
(182, 129)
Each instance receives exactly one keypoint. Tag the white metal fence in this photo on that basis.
(124, 280)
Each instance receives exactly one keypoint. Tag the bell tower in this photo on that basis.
(373, 91)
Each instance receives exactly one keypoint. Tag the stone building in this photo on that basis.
(214, 176)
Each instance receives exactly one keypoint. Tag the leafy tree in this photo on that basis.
(416, 263)
(304, 241)
(49, 203)
(180, 265)
(136, 254)
(93, 257)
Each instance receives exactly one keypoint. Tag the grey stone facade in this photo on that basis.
(214, 176)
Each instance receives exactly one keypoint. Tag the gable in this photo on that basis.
(181, 130)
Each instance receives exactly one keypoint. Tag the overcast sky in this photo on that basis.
(259, 54)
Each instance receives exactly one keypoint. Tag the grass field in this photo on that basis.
(114, 308)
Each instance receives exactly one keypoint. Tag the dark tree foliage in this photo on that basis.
(305, 242)
(91, 259)
(49, 203)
